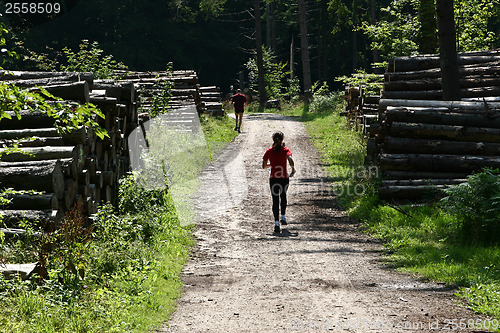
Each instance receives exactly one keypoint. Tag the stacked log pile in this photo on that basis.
(210, 101)
(361, 109)
(419, 77)
(58, 170)
(423, 144)
(184, 88)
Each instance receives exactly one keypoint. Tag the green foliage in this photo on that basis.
(89, 58)
(68, 116)
(371, 83)
(397, 33)
(476, 204)
(473, 20)
(63, 252)
(274, 76)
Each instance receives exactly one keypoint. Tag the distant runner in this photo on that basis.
(277, 156)
(239, 100)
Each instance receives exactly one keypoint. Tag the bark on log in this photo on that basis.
(437, 163)
(29, 119)
(442, 117)
(435, 84)
(38, 153)
(411, 192)
(423, 175)
(78, 91)
(455, 105)
(437, 94)
(6, 75)
(39, 218)
(47, 177)
(447, 132)
(32, 202)
(36, 142)
(394, 145)
(415, 63)
(71, 138)
(422, 182)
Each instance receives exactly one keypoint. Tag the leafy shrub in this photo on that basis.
(476, 204)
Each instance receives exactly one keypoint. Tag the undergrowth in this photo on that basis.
(454, 241)
(124, 276)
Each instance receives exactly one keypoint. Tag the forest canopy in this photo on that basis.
(216, 38)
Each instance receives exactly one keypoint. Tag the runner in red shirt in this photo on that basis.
(239, 100)
(276, 158)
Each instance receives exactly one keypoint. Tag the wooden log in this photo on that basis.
(455, 105)
(70, 192)
(437, 94)
(423, 175)
(19, 271)
(411, 192)
(32, 202)
(108, 177)
(493, 69)
(446, 132)
(29, 119)
(7, 75)
(442, 116)
(15, 232)
(394, 145)
(37, 153)
(47, 177)
(71, 138)
(11, 218)
(437, 163)
(414, 63)
(422, 182)
(36, 142)
(78, 91)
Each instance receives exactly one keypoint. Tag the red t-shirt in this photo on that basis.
(278, 160)
(239, 101)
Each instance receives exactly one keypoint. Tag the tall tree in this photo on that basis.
(260, 60)
(450, 75)
(428, 40)
(304, 49)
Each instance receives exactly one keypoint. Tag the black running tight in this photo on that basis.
(279, 186)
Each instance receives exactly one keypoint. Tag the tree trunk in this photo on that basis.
(304, 48)
(373, 19)
(259, 54)
(448, 49)
(428, 41)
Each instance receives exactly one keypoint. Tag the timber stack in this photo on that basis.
(361, 109)
(79, 165)
(57, 170)
(423, 144)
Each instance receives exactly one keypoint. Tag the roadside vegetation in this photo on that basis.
(122, 274)
(452, 241)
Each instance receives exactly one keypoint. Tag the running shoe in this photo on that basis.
(277, 229)
(283, 222)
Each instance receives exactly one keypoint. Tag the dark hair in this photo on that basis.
(278, 140)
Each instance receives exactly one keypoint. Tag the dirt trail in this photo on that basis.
(320, 274)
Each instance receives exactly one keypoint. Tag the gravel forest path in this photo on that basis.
(320, 274)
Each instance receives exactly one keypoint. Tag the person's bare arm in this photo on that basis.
(265, 165)
(292, 164)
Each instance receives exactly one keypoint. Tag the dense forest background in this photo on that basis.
(216, 38)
